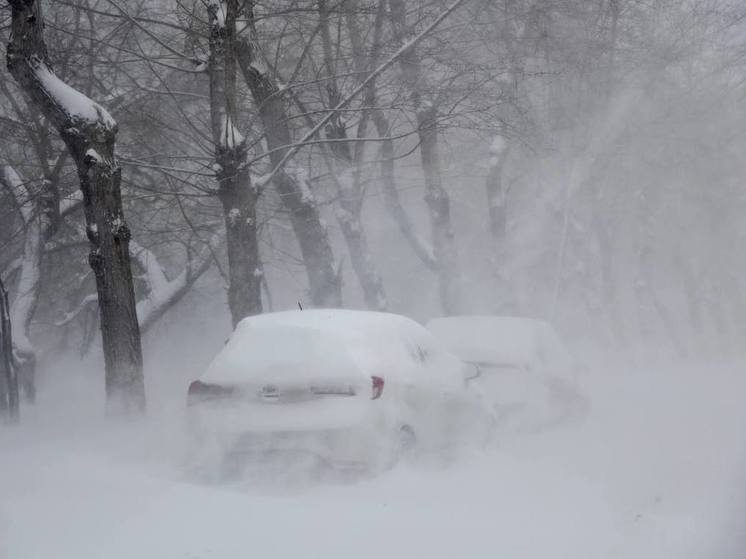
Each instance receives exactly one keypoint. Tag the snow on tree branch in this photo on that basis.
(219, 11)
(162, 292)
(230, 137)
(73, 102)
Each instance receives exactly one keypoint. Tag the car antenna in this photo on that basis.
(300, 306)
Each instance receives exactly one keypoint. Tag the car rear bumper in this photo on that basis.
(340, 449)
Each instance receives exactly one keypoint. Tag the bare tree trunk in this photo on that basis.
(39, 208)
(9, 402)
(497, 192)
(439, 204)
(89, 133)
(24, 304)
(245, 268)
(497, 211)
(436, 197)
(6, 354)
(324, 282)
(235, 190)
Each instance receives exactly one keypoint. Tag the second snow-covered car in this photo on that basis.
(347, 389)
(520, 367)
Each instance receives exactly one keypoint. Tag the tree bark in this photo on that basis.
(89, 133)
(36, 227)
(235, 191)
(9, 402)
(497, 212)
(439, 205)
(497, 193)
(24, 305)
(324, 282)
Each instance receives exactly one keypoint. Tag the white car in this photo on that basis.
(346, 389)
(520, 367)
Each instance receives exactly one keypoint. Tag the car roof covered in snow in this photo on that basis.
(502, 340)
(333, 345)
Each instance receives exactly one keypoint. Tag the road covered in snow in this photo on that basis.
(655, 470)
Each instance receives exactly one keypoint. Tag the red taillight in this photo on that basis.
(199, 391)
(377, 387)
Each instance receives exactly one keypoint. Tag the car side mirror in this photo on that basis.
(471, 371)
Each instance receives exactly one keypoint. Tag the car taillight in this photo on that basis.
(377, 387)
(200, 391)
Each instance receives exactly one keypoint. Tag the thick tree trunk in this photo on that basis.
(245, 273)
(9, 402)
(24, 305)
(6, 354)
(36, 228)
(110, 260)
(324, 282)
(497, 195)
(497, 213)
(439, 204)
(237, 195)
(89, 133)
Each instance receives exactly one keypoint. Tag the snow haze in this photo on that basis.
(373, 278)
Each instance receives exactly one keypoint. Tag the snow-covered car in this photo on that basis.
(346, 389)
(519, 366)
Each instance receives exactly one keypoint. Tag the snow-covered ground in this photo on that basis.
(656, 470)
